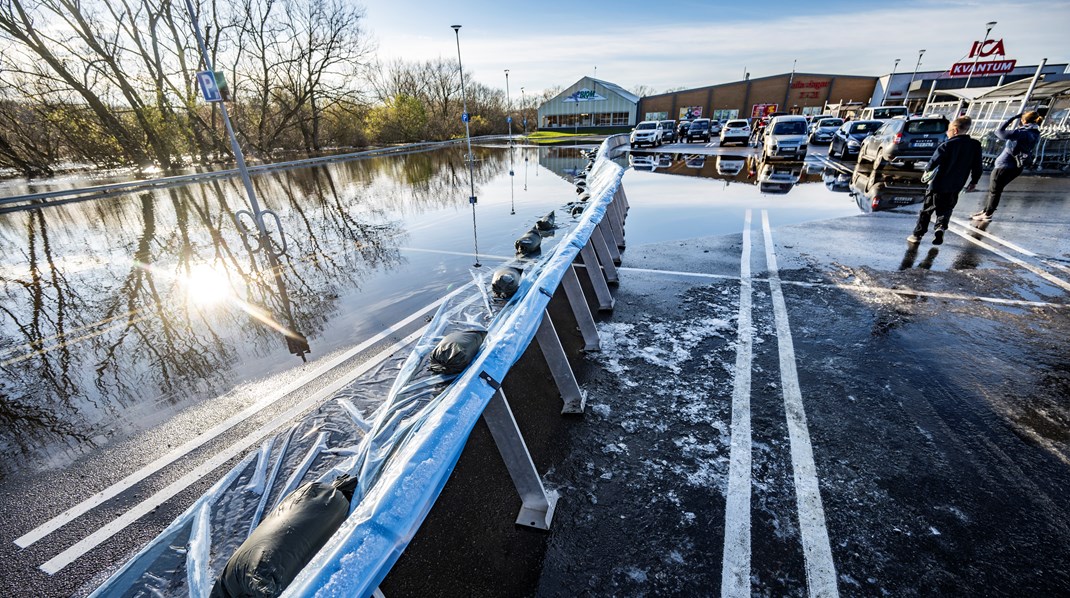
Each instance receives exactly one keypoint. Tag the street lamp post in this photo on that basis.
(988, 29)
(523, 112)
(468, 136)
(508, 107)
(906, 96)
(891, 78)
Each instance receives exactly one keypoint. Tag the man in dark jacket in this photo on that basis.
(958, 159)
(1020, 143)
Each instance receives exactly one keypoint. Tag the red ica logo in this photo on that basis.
(987, 48)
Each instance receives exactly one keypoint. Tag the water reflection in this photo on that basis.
(779, 177)
(115, 309)
(885, 189)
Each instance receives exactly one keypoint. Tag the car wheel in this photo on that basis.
(878, 160)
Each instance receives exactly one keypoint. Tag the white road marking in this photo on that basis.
(1035, 270)
(817, 553)
(129, 481)
(974, 230)
(735, 566)
(860, 288)
(68, 556)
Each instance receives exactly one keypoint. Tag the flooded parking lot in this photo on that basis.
(143, 319)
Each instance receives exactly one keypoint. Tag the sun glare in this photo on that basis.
(207, 285)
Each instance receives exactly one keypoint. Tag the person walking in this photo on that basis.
(1019, 146)
(954, 161)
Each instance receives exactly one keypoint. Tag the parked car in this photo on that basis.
(699, 129)
(648, 132)
(735, 131)
(715, 127)
(730, 165)
(785, 137)
(779, 178)
(813, 120)
(849, 137)
(642, 162)
(669, 126)
(824, 129)
(904, 139)
(883, 112)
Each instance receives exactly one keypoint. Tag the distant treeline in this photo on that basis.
(109, 83)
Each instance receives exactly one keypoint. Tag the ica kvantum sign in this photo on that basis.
(985, 49)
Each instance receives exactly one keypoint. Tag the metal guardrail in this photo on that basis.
(84, 193)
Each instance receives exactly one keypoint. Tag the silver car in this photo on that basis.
(825, 129)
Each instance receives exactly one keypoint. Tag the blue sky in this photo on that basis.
(688, 43)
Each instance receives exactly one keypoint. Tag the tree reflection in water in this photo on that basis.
(98, 332)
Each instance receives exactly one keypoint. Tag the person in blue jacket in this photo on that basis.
(955, 161)
(1019, 146)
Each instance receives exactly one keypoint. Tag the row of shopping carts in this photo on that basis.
(1053, 151)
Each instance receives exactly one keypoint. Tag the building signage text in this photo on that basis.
(584, 95)
(987, 48)
(995, 67)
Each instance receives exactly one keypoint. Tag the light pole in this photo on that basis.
(988, 29)
(891, 78)
(468, 136)
(523, 113)
(508, 107)
(906, 96)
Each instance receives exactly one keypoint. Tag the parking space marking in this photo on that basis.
(828, 162)
(735, 566)
(817, 553)
(1065, 285)
(858, 287)
(974, 230)
(200, 440)
(68, 556)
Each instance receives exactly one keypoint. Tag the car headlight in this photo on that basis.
(853, 143)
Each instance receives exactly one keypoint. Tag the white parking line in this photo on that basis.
(129, 481)
(974, 230)
(735, 566)
(68, 556)
(1065, 285)
(820, 568)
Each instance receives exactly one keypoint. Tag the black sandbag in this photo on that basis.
(546, 222)
(505, 282)
(286, 540)
(455, 351)
(529, 243)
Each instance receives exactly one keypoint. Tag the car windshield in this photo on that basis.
(646, 126)
(830, 122)
(668, 124)
(891, 112)
(865, 127)
(936, 125)
(795, 127)
(699, 124)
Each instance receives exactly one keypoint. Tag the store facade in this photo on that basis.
(589, 103)
(794, 93)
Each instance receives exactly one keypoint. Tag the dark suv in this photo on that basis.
(904, 139)
(670, 131)
(699, 129)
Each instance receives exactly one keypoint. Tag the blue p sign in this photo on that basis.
(509, 119)
(208, 87)
(464, 117)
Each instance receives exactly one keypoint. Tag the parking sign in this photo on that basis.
(208, 87)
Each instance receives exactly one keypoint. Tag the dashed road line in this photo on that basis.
(736, 563)
(1065, 285)
(817, 553)
(972, 230)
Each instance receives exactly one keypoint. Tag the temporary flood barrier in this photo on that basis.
(406, 455)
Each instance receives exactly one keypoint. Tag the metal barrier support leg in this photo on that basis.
(604, 256)
(616, 223)
(573, 397)
(538, 505)
(578, 301)
(611, 242)
(625, 205)
(598, 280)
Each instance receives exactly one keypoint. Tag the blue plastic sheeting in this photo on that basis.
(357, 558)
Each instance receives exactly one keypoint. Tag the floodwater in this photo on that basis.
(118, 313)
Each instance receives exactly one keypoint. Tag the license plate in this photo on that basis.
(902, 199)
(923, 143)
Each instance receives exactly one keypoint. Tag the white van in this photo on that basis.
(883, 112)
(785, 137)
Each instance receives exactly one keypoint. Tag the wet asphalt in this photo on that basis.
(935, 382)
(936, 389)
